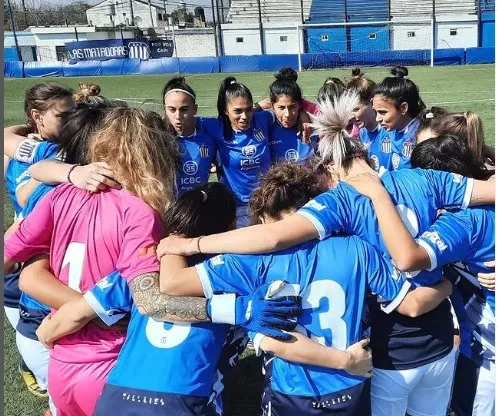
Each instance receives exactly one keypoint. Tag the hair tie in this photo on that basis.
(204, 196)
(233, 82)
(179, 90)
(429, 115)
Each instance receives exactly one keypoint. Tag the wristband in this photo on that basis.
(69, 173)
(199, 244)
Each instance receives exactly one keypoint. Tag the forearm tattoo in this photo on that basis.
(151, 302)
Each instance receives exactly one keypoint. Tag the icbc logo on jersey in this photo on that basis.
(249, 152)
(190, 168)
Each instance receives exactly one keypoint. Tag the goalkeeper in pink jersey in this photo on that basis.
(90, 235)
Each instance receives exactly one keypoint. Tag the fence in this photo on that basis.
(243, 63)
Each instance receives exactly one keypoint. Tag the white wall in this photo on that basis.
(194, 44)
(466, 35)
(402, 41)
(251, 44)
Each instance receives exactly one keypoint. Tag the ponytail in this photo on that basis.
(475, 135)
(336, 145)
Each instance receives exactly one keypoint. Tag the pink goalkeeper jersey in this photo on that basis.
(89, 236)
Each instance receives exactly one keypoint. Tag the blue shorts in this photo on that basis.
(354, 401)
(125, 401)
(29, 321)
(11, 292)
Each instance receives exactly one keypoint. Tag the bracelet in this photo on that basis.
(69, 173)
(199, 244)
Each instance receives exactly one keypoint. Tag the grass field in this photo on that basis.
(458, 88)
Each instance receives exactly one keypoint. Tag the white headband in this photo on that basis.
(179, 90)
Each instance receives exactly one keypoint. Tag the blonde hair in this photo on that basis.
(142, 154)
(467, 125)
(336, 145)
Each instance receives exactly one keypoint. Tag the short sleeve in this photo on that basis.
(239, 274)
(384, 280)
(31, 151)
(34, 235)
(450, 189)
(142, 231)
(211, 126)
(325, 213)
(110, 298)
(448, 240)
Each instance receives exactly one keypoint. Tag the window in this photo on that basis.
(411, 34)
(453, 32)
(160, 17)
(325, 38)
(239, 40)
(60, 52)
(283, 38)
(372, 36)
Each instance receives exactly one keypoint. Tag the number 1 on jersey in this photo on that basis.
(74, 256)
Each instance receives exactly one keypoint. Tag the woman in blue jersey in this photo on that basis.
(397, 103)
(286, 100)
(465, 238)
(197, 149)
(302, 379)
(371, 133)
(398, 342)
(242, 137)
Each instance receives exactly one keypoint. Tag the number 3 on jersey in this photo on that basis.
(328, 297)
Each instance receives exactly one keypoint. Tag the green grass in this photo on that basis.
(458, 88)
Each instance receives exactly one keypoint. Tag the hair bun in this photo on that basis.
(356, 72)
(286, 74)
(88, 89)
(399, 71)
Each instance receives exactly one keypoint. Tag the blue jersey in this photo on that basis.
(374, 140)
(393, 149)
(158, 356)
(244, 155)
(287, 146)
(467, 238)
(333, 300)
(32, 151)
(418, 194)
(197, 152)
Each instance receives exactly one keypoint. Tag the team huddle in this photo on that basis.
(349, 241)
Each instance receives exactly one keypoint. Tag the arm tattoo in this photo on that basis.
(151, 302)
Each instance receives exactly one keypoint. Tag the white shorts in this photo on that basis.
(421, 391)
(12, 315)
(35, 356)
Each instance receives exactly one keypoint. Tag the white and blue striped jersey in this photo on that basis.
(467, 239)
(197, 152)
(244, 155)
(333, 298)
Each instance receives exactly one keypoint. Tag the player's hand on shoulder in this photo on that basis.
(177, 245)
(360, 359)
(368, 184)
(94, 177)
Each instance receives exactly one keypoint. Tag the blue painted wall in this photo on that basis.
(487, 29)
(330, 11)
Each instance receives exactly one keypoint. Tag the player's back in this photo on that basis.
(333, 276)
(88, 242)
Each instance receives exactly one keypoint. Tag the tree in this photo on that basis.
(181, 15)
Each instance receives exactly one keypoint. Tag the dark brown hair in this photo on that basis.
(362, 85)
(286, 186)
(43, 97)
